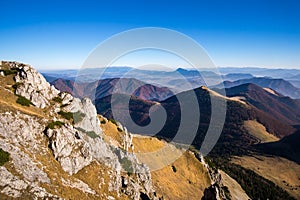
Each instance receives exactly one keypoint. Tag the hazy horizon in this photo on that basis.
(170, 69)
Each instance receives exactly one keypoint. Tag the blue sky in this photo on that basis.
(61, 34)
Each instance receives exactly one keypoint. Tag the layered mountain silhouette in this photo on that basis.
(269, 101)
(234, 138)
(280, 85)
(277, 113)
(102, 88)
(237, 76)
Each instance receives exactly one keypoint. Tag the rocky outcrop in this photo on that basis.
(21, 131)
(75, 144)
(72, 152)
(142, 181)
(78, 184)
(32, 85)
(14, 187)
(216, 189)
(127, 140)
(74, 147)
(90, 121)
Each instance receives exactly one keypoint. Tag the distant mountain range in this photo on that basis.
(261, 99)
(261, 72)
(280, 85)
(234, 137)
(117, 72)
(106, 87)
(269, 101)
(182, 79)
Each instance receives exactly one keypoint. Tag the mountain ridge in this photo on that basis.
(280, 85)
(106, 87)
(271, 102)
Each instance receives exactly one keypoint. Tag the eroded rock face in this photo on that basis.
(14, 187)
(90, 121)
(211, 193)
(215, 190)
(69, 150)
(74, 144)
(18, 132)
(32, 85)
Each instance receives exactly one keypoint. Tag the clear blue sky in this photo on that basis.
(54, 34)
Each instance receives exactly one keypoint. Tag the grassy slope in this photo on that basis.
(282, 172)
(8, 98)
(190, 178)
(259, 131)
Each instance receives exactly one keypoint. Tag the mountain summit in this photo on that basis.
(55, 137)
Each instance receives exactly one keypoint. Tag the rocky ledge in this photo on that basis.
(75, 142)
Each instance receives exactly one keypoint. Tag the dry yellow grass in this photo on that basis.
(159, 159)
(188, 182)
(259, 131)
(149, 150)
(8, 98)
(191, 177)
(282, 172)
(143, 144)
(92, 175)
(111, 134)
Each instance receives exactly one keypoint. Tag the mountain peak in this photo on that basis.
(31, 84)
(181, 69)
(269, 101)
(62, 137)
(279, 85)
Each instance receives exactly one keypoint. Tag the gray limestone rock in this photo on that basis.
(72, 153)
(32, 85)
(74, 144)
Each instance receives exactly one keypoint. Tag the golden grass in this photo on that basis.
(8, 98)
(91, 175)
(188, 182)
(111, 134)
(191, 177)
(259, 131)
(281, 171)
(144, 144)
